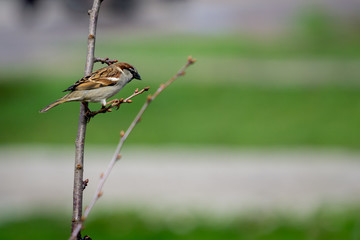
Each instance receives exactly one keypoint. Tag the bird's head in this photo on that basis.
(129, 69)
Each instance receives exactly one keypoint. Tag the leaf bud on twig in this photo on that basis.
(191, 60)
(149, 98)
(100, 194)
(85, 183)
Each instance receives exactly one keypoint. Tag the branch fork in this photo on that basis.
(114, 104)
(78, 218)
(123, 136)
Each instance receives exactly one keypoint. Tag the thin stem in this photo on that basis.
(80, 139)
(124, 136)
(105, 60)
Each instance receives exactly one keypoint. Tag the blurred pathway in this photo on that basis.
(214, 180)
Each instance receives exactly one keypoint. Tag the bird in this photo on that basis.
(99, 85)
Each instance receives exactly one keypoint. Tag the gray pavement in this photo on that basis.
(214, 180)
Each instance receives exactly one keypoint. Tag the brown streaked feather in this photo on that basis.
(96, 79)
(95, 84)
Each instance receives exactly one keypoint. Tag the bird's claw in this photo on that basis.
(89, 114)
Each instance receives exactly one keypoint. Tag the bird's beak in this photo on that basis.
(136, 75)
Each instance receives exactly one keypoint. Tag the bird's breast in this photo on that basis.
(97, 95)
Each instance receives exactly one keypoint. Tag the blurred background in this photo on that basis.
(259, 140)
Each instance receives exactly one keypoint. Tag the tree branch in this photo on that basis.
(124, 136)
(105, 60)
(80, 139)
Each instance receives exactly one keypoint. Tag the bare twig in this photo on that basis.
(136, 92)
(115, 103)
(80, 139)
(105, 60)
(180, 73)
(124, 136)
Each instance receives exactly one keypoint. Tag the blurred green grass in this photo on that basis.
(211, 105)
(326, 225)
(292, 46)
(192, 113)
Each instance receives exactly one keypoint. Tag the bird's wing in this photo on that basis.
(102, 77)
(95, 84)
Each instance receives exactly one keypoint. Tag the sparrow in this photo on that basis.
(99, 85)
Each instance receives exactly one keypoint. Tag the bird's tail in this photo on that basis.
(54, 104)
